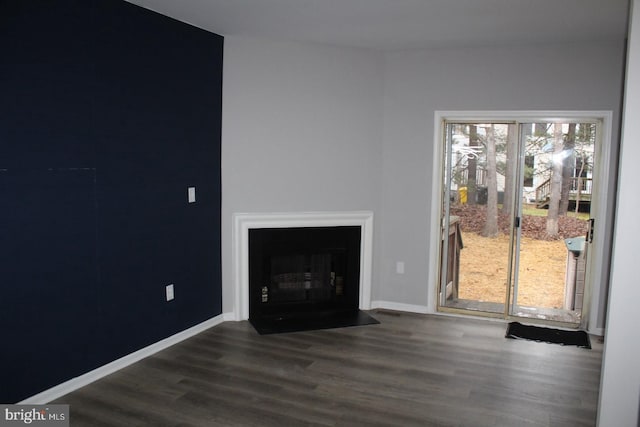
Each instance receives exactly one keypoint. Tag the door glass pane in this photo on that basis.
(556, 202)
(478, 179)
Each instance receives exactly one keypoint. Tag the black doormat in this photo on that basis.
(309, 321)
(555, 336)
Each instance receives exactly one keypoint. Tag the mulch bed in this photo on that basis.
(483, 270)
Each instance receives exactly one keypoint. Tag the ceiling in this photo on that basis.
(405, 24)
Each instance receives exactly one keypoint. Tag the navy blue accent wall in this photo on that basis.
(108, 113)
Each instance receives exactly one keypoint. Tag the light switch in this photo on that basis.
(191, 194)
(400, 267)
(169, 291)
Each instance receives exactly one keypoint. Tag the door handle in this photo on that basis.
(590, 230)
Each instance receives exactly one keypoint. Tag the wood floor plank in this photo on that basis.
(410, 370)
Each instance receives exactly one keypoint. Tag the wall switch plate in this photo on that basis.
(191, 194)
(400, 267)
(169, 291)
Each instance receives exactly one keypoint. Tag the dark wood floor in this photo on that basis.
(410, 370)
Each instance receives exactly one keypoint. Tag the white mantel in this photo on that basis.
(243, 222)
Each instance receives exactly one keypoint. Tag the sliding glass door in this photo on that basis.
(515, 217)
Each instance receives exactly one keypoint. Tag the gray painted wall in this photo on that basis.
(620, 386)
(301, 132)
(316, 128)
(417, 83)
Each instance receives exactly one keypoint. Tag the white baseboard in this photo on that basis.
(397, 306)
(597, 331)
(91, 376)
(229, 317)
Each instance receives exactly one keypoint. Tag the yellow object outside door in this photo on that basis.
(462, 194)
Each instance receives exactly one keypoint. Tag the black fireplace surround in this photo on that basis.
(304, 278)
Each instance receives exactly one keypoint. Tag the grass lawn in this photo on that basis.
(530, 209)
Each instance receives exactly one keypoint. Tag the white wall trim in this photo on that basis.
(243, 222)
(602, 173)
(91, 376)
(397, 306)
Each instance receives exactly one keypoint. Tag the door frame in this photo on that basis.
(599, 252)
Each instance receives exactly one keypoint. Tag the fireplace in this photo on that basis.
(300, 269)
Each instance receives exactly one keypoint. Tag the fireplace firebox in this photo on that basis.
(303, 277)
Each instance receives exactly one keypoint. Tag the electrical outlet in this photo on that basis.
(400, 267)
(169, 292)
